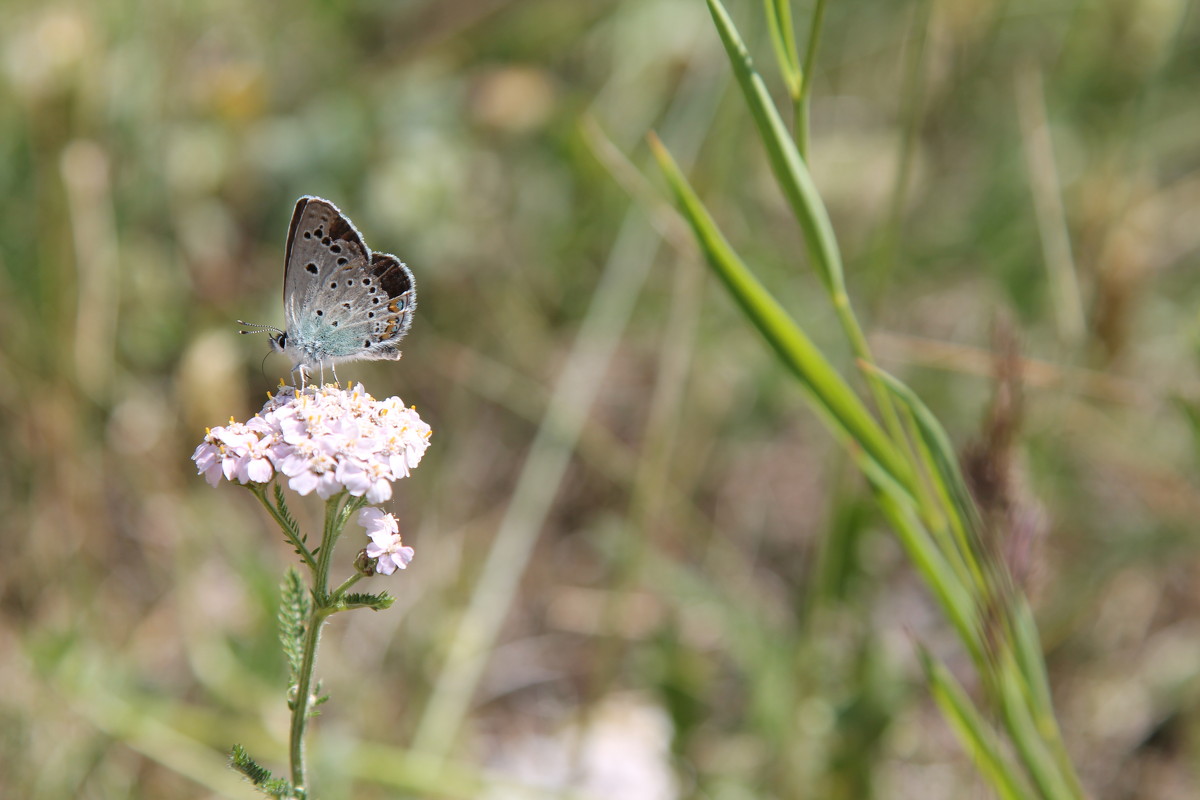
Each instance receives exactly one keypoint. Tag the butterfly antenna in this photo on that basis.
(254, 327)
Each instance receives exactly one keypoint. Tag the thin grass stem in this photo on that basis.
(801, 103)
(805, 201)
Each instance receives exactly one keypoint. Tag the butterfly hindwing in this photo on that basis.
(392, 308)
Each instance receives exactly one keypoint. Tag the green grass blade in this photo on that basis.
(801, 104)
(1022, 686)
(1028, 649)
(973, 731)
(943, 581)
(793, 177)
(937, 441)
(1054, 778)
(830, 393)
(810, 52)
(783, 39)
(1032, 665)
(942, 463)
(802, 195)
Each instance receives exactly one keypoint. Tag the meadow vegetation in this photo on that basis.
(687, 528)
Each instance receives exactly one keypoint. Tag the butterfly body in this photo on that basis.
(341, 301)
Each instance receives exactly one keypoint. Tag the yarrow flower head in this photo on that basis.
(323, 439)
(390, 553)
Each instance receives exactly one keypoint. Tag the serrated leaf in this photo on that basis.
(260, 776)
(295, 611)
(285, 516)
(376, 602)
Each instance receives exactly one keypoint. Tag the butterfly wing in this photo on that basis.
(342, 302)
(387, 297)
(321, 241)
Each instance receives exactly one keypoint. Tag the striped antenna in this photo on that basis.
(256, 328)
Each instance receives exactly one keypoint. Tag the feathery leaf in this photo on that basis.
(259, 775)
(295, 610)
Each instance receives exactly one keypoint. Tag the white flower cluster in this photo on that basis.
(323, 439)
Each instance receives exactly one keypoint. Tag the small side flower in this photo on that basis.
(389, 552)
(237, 451)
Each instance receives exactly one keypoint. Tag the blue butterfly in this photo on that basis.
(341, 302)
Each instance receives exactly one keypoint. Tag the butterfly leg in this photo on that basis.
(336, 381)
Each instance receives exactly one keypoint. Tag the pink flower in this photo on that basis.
(208, 460)
(324, 439)
(390, 553)
(370, 478)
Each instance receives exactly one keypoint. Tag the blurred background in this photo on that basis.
(643, 569)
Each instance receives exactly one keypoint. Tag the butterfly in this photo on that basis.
(341, 302)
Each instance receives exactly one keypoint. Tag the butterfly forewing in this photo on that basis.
(321, 241)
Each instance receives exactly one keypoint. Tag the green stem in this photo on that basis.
(335, 520)
(340, 591)
(800, 104)
(800, 125)
(312, 638)
(260, 491)
(810, 54)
